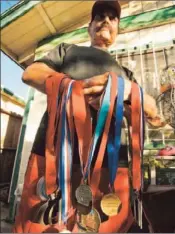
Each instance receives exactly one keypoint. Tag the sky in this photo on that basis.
(11, 73)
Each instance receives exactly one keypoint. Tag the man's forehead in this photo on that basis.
(106, 9)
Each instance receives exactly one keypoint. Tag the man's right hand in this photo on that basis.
(95, 85)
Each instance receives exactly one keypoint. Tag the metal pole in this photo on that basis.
(157, 77)
(142, 83)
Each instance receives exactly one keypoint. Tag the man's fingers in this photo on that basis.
(96, 80)
(93, 90)
(156, 122)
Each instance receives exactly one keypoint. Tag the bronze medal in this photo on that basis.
(83, 195)
(91, 222)
(110, 204)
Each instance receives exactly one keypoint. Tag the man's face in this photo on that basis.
(104, 27)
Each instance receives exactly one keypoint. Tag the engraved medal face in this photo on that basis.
(83, 195)
(91, 222)
(110, 204)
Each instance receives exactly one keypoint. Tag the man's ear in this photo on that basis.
(89, 28)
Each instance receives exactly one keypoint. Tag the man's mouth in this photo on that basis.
(103, 28)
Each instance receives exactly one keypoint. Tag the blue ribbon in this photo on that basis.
(114, 145)
(103, 112)
(65, 129)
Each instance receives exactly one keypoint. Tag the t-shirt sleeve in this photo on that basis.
(129, 74)
(55, 58)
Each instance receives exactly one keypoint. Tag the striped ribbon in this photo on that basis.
(65, 159)
(113, 146)
(102, 116)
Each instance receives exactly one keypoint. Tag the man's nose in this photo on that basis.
(107, 19)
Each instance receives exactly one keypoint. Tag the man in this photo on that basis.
(92, 65)
(103, 30)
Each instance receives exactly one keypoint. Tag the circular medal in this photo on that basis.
(110, 204)
(83, 195)
(90, 222)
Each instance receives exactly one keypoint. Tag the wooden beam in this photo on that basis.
(28, 54)
(9, 52)
(46, 19)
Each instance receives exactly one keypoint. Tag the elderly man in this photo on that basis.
(92, 65)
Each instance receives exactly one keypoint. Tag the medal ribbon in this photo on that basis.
(137, 134)
(114, 145)
(52, 90)
(95, 178)
(65, 159)
(102, 116)
(82, 122)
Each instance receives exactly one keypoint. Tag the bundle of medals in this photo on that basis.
(74, 116)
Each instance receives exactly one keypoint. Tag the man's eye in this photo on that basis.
(99, 17)
(113, 17)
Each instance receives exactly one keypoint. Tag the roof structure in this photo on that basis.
(26, 24)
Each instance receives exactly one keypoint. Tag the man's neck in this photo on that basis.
(100, 47)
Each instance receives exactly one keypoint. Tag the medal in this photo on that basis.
(110, 204)
(83, 195)
(91, 222)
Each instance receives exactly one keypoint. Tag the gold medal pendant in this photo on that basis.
(110, 204)
(90, 223)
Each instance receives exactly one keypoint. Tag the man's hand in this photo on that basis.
(93, 88)
(95, 85)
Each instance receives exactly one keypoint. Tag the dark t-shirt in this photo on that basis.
(81, 62)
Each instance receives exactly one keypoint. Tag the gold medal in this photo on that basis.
(110, 204)
(91, 222)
